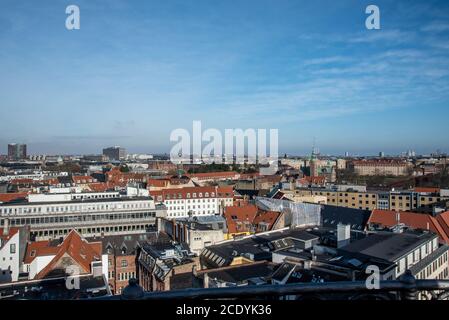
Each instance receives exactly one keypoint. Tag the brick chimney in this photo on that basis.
(6, 227)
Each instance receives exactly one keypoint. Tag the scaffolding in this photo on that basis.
(295, 214)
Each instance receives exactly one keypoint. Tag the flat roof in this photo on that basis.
(389, 245)
(21, 203)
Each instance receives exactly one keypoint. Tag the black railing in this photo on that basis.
(406, 288)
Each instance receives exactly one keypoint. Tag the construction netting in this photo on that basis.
(295, 214)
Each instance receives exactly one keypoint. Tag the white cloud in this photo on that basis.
(436, 27)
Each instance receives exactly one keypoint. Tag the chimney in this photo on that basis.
(206, 280)
(307, 264)
(97, 269)
(343, 235)
(6, 227)
(312, 252)
(398, 217)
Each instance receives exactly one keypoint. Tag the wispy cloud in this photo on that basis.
(382, 35)
(438, 26)
(326, 60)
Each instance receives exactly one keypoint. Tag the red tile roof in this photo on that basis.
(161, 183)
(98, 186)
(428, 190)
(249, 218)
(51, 181)
(83, 179)
(39, 249)
(414, 220)
(240, 218)
(22, 181)
(214, 175)
(11, 233)
(267, 217)
(74, 246)
(443, 220)
(249, 175)
(313, 180)
(7, 197)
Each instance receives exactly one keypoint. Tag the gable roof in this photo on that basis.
(266, 217)
(81, 251)
(443, 220)
(388, 218)
(240, 218)
(5, 238)
(39, 249)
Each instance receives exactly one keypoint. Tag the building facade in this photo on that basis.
(115, 153)
(380, 167)
(194, 201)
(91, 214)
(17, 151)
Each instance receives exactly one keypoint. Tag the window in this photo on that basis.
(12, 248)
(124, 263)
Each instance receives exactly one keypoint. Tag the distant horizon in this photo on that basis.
(281, 153)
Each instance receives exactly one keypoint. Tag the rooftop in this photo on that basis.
(388, 246)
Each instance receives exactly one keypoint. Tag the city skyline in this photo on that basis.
(314, 150)
(133, 73)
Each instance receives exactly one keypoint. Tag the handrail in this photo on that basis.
(407, 287)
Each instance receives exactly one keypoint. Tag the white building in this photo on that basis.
(10, 258)
(90, 213)
(198, 231)
(194, 201)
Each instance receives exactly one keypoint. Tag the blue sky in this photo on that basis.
(136, 70)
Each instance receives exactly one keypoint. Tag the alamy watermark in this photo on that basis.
(230, 150)
(372, 22)
(373, 280)
(73, 22)
(72, 282)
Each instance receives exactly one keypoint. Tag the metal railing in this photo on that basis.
(405, 288)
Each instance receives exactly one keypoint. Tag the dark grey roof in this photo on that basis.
(282, 271)
(54, 289)
(252, 193)
(388, 246)
(242, 273)
(259, 246)
(130, 241)
(331, 216)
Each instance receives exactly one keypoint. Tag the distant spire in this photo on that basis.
(313, 155)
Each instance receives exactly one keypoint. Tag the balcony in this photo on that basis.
(406, 288)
